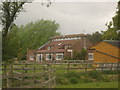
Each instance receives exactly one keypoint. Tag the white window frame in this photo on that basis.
(41, 57)
(31, 57)
(57, 56)
(49, 47)
(48, 58)
(89, 56)
(38, 57)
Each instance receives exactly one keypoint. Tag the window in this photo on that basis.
(59, 56)
(66, 47)
(31, 57)
(39, 57)
(48, 56)
(48, 47)
(90, 56)
(59, 43)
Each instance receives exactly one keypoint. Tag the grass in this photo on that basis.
(113, 84)
(61, 72)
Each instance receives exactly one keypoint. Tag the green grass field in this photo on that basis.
(113, 84)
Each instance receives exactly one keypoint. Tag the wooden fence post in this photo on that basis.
(54, 63)
(22, 76)
(11, 72)
(34, 76)
(111, 66)
(5, 73)
(26, 65)
(68, 66)
(117, 67)
(102, 67)
(86, 67)
(49, 76)
(43, 78)
(7, 79)
(54, 83)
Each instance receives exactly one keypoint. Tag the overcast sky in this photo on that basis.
(73, 17)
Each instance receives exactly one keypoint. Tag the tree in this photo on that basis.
(80, 55)
(113, 26)
(10, 11)
(95, 37)
(30, 36)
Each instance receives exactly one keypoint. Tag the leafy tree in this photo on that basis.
(0, 46)
(95, 37)
(113, 26)
(30, 36)
(10, 11)
(83, 54)
(80, 55)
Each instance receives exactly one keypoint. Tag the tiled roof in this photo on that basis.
(63, 42)
(57, 46)
(115, 43)
(68, 36)
(51, 51)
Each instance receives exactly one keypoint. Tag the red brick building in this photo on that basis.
(60, 47)
(30, 55)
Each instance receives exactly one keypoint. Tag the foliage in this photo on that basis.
(72, 74)
(113, 84)
(95, 75)
(80, 55)
(67, 58)
(113, 26)
(10, 11)
(111, 34)
(74, 80)
(73, 77)
(30, 36)
(110, 72)
(95, 37)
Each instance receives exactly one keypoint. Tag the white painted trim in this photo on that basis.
(59, 54)
(89, 56)
(31, 57)
(70, 50)
(47, 58)
(38, 56)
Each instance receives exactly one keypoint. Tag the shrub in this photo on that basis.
(66, 81)
(74, 65)
(85, 79)
(106, 78)
(110, 72)
(74, 80)
(72, 74)
(95, 74)
(60, 80)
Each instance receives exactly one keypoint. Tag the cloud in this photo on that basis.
(73, 17)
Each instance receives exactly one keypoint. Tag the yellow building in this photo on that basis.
(107, 51)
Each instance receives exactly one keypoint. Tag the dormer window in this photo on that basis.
(66, 47)
(48, 48)
(59, 43)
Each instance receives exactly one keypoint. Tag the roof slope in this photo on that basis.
(115, 43)
(68, 36)
(57, 46)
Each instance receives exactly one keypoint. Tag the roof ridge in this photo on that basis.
(112, 40)
(70, 35)
(115, 43)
